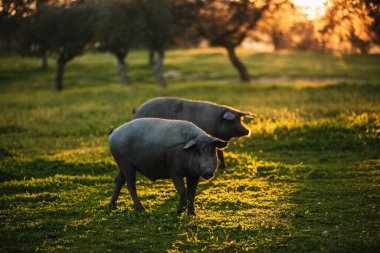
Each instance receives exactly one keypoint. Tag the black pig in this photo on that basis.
(163, 149)
(220, 121)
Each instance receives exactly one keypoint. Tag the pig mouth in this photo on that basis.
(208, 176)
(245, 132)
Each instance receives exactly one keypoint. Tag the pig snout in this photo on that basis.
(208, 175)
(243, 131)
(208, 172)
(246, 131)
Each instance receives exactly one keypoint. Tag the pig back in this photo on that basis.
(145, 143)
(205, 115)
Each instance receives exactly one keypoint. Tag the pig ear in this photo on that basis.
(228, 115)
(248, 115)
(189, 144)
(219, 144)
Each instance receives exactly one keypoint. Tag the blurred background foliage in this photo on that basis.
(65, 28)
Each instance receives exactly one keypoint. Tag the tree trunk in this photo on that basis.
(151, 57)
(8, 44)
(276, 39)
(243, 72)
(59, 77)
(160, 79)
(363, 47)
(44, 61)
(122, 73)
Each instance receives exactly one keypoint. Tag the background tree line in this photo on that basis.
(66, 28)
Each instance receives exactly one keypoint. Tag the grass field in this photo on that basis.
(311, 165)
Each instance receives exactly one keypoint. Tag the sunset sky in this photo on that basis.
(312, 8)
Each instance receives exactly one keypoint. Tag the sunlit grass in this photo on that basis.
(310, 165)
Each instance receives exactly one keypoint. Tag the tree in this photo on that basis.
(178, 25)
(158, 32)
(15, 13)
(12, 15)
(373, 8)
(33, 41)
(62, 30)
(119, 28)
(74, 30)
(348, 24)
(166, 21)
(227, 23)
(304, 36)
(277, 23)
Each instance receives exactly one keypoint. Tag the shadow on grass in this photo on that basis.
(14, 168)
(280, 199)
(76, 215)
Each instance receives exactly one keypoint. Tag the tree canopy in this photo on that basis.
(66, 27)
(65, 31)
(119, 28)
(227, 23)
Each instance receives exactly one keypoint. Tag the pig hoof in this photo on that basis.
(180, 210)
(140, 208)
(223, 166)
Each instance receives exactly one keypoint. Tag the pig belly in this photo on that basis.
(154, 170)
(154, 174)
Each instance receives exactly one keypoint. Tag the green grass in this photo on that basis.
(312, 163)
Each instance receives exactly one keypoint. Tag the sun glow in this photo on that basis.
(312, 8)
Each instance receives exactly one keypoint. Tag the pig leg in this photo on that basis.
(180, 187)
(192, 184)
(223, 164)
(119, 181)
(129, 173)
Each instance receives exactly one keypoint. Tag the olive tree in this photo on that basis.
(350, 25)
(119, 28)
(227, 23)
(13, 14)
(167, 23)
(158, 32)
(64, 31)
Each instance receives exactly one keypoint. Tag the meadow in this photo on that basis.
(306, 180)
